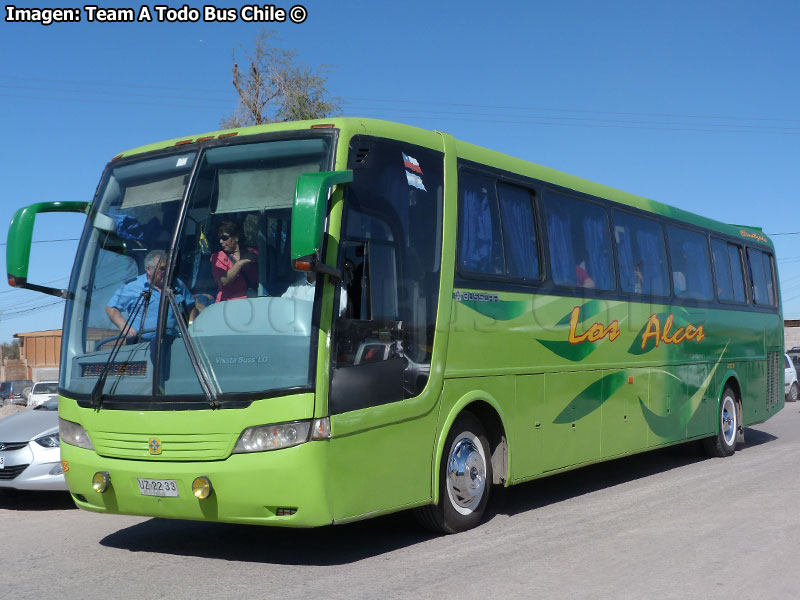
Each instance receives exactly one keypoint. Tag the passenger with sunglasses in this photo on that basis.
(235, 269)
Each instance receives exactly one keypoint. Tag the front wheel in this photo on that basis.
(724, 442)
(465, 478)
(792, 395)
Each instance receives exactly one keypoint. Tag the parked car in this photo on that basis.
(30, 458)
(789, 379)
(13, 392)
(794, 355)
(42, 392)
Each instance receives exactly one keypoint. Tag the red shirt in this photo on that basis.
(220, 264)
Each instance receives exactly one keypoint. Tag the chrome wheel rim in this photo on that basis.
(728, 420)
(793, 393)
(466, 473)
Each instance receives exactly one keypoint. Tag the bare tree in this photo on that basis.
(276, 86)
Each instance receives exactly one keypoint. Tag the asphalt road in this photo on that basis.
(666, 524)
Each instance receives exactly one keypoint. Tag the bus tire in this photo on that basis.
(465, 479)
(792, 395)
(723, 443)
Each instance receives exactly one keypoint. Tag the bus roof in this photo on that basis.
(375, 127)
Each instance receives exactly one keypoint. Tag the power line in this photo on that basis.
(46, 241)
(418, 102)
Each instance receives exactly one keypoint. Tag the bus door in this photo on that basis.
(380, 403)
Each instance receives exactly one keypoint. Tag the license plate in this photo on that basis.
(158, 487)
(2, 462)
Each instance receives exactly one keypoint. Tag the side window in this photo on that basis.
(642, 255)
(691, 266)
(580, 243)
(762, 275)
(728, 271)
(390, 253)
(480, 246)
(519, 232)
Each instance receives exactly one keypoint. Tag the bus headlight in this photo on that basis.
(73, 434)
(272, 437)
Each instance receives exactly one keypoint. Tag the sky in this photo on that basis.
(695, 104)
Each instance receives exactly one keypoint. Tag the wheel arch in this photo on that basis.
(489, 412)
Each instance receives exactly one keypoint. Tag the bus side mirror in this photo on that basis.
(308, 217)
(20, 235)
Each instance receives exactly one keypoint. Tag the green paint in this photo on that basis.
(592, 397)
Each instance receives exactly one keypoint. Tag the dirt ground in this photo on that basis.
(10, 409)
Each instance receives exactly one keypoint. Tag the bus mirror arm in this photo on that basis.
(311, 264)
(20, 237)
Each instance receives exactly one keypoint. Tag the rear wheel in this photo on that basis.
(724, 442)
(465, 478)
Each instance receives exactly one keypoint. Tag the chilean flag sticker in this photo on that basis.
(411, 163)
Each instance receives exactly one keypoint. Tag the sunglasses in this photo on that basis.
(224, 237)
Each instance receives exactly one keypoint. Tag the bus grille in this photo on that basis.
(12, 472)
(774, 379)
(170, 446)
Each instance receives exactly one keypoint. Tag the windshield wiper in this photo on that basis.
(194, 356)
(122, 338)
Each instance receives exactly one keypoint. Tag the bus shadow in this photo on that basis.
(25, 501)
(344, 544)
(564, 486)
(324, 546)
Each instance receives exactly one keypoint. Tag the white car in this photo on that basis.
(30, 457)
(43, 391)
(789, 379)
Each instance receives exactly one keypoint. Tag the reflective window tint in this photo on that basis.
(737, 273)
(480, 247)
(519, 232)
(728, 270)
(762, 275)
(642, 255)
(691, 266)
(769, 274)
(580, 243)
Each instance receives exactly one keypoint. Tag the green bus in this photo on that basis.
(308, 323)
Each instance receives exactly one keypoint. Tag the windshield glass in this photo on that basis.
(48, 387)
(234, 313)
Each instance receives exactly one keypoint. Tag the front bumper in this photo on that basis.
(32, 468)
(258, 488)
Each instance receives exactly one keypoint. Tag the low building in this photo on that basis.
(791, 333)
(40, 351)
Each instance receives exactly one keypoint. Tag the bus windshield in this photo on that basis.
(184, 280)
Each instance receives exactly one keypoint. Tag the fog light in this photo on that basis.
(57, 470)
(100, 481)
(201, 488)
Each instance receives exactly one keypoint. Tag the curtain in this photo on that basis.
(654, 264)
(562, 256)
(519, 234)
(476, 239)
(597, 248)
(626, 262)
